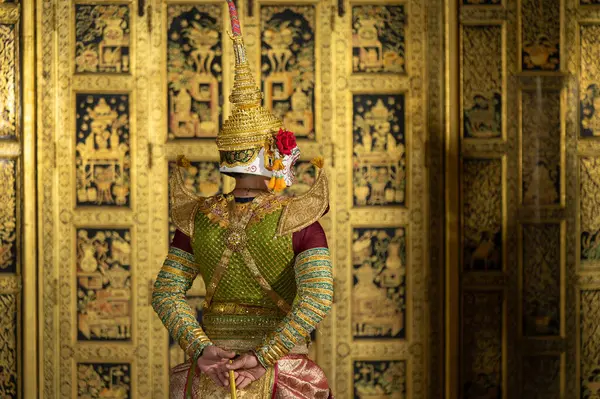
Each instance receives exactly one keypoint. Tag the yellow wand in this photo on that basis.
(232, 383)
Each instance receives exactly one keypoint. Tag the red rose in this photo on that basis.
(286, 141)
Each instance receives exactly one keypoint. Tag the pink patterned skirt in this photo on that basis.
(293, 377)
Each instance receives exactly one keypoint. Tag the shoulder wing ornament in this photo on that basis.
(183, 203)
(306, 209)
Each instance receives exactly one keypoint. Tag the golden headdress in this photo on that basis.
(250, 126)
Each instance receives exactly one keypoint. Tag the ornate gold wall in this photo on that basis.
(527, 179)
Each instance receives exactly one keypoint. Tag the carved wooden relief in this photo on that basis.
(194, 70)
(482, 82)
(8, 216)
(104, 299)
(103, 150)
(379, 378)
(540, 27)
(102, 37)
(482, 215)
(8, 81)
(288, 65)
(589, 82)
(589, 344)
(541, 148)
(9, 362)
(378, 39)
(379, 275)
(541, 279)
(589, 227)
(102, 380)
(482, 328)
(379, 155)
(541, 377)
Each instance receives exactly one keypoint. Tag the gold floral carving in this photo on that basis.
(8, 212)
(380, 379)
(541, 148)
(482, 87)
(482, 344)
(541, 35)
(590, 343)
(589, 82)
(541, 276)
(306, 209)
(482, 214)
(589, 212)
(8, 346)
(541, 377)
(8, 81)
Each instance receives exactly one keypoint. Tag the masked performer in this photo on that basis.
(263, 258)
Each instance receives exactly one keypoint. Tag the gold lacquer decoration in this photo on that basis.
(482, 81)
(540, 25)
(102, 38)
(103, 149)
(201, 178)
(379, 275)
(482, 2)
(288, 65)
(541, 276)
(482, 345)
(194, 58)
(589, 209)
(306, 175)
(379, 156)
(8, 82)
(104, 306)
(590, 344)
(379, 379)
(541, 148)
(589, 82)
(103, 380)
(378, 39)
(482, 214)
(541, 377)
(8, 346)
(8, 216)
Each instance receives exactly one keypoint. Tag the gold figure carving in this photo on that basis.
(378, 379)
(102, 38)
(8, 110)
(482, 81)
(288, 65)
(482, 213)
(104, 305)
(103, 161)
(589, 212)
(541, 279)
(379, 292)
(379, 150)
(541, 35)
(378, 40)
(8, 212)
(194, 58)
(541, 146)
(590, 344)
(482, 346)
(103, 380)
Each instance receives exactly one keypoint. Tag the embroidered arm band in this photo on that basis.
(168, 300)
(314, 280)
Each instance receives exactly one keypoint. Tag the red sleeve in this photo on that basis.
(310, 237)
(181, 241)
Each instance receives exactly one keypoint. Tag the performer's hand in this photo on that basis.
(247, 369)
(212, 362)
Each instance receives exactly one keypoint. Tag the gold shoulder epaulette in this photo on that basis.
(183, 203)
(308, 208)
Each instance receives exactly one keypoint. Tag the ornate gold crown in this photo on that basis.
(250, 125)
